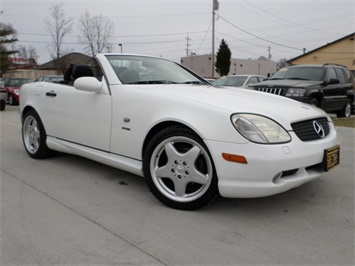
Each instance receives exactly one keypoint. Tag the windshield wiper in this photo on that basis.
(192, 82)
(275, 78)
(152, 82)
(296, 78)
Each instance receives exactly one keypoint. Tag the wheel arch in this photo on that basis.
(160, 126)
(318, 96)
(26, 110)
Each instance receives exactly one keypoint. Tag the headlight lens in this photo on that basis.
(291, 92)
(260, 129)
(17, 92)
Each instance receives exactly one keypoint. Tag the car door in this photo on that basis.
(334, 94)
(79, 117)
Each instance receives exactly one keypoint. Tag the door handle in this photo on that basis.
(51, 94)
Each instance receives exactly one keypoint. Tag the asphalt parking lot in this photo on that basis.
(68, 210)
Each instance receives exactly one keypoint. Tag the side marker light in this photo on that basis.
(234, 158)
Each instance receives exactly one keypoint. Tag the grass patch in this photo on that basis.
(344, 122)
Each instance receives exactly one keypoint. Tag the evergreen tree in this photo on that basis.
(223, 59)
(7, 37)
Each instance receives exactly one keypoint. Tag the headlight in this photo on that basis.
(295, 92)
(260, 129)
(17, 92)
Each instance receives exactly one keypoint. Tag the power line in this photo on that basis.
(204, 38)
(120, 17)
(123, 36)
(258, 37)
(278, 17)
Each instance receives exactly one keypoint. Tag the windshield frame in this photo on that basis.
(137, 69)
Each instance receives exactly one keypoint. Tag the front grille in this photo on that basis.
(277, 91)
(306, 131)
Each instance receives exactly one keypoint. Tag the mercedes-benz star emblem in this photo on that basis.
(319, 129)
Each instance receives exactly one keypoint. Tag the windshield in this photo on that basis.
(55, 79)
(150, 70)
(17, 82)
(300, 73)
(236, 81)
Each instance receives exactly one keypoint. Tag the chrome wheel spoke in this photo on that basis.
(180, 187)
(171, 152)
(164, 171)
(198, 177)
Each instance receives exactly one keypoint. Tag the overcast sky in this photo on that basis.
(162, 27)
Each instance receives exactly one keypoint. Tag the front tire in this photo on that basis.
(2, 105)
(34, 136)
(314, 102)
(179, 170)
(12, 100)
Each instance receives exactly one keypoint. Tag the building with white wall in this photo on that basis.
(202, 65)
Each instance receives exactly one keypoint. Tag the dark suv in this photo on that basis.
(330, 87)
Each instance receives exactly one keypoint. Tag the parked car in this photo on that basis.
(238, 80)
(13, 86)
(191, 141)
(50, 78)
(210, 80)
(3, 95)
(327, 86)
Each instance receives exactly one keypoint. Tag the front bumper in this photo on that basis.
(295, 163)
(302, 99)
(3, 95)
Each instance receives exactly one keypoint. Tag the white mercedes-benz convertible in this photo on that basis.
(190, 140)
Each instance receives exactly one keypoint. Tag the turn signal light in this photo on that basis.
(234, 158)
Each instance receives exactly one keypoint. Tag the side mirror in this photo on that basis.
(88, 84)
(333, 81)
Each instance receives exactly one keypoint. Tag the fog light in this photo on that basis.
(277, 177)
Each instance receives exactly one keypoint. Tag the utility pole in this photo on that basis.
(188, 39)
(215, 7)
(269, 52)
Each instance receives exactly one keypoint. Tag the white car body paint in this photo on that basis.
(111, 125)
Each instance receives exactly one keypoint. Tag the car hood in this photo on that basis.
(239, 100)
(287, 83)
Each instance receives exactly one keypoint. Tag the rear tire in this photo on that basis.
(179, 170)
(346, 111)
(34, 136)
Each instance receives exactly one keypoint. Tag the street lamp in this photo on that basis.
(120, 44)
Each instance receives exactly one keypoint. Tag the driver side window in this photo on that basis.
(332, 74)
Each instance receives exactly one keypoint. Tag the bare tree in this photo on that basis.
(28, 54)
(96, 33)
(282, 63)
(58, 26)
(32, 54)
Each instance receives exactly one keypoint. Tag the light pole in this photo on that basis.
(120, 44)
(215, 7)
